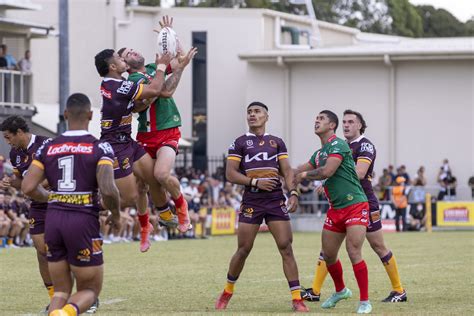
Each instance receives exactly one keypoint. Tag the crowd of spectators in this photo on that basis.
(7, 61)
(204, 192)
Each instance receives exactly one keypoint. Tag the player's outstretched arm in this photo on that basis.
(31, 184)
(324, 172)
(234, 175)
(108, 190)
(156, 85)
(171, 83)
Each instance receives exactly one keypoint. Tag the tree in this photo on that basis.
(440, 23)
(406, 20)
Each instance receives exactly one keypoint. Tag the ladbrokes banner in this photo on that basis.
(223, 221)
(455, 213)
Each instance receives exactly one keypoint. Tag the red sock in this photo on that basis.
(178, 201)
(335, 270)
(143, 219)
(362, 276)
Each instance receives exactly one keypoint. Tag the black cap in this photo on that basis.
(257, 103)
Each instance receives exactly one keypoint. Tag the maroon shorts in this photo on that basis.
(338, 219)
(37, 218)
(153, 141)
(125, 155)
(74, 237)
(254, 211)
(375, 223)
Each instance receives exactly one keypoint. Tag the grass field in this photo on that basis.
(186, 276)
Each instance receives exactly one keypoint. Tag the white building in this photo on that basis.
(416, 94)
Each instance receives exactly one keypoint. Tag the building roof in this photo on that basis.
(18, 5)
(372, 48)
(17, 26)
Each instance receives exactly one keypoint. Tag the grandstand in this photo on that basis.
(416, 95)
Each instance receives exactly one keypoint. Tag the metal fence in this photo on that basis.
(215, 164)
(15, 88)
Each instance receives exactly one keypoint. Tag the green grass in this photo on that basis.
(186, 276)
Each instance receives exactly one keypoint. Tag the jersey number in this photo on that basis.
(67, 183)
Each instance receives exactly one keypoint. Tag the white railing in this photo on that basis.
(16, 89)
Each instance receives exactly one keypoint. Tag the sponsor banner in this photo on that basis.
(223, 221)
(388, 225)
(455, 213)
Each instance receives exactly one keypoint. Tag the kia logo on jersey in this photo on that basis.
(263, 156)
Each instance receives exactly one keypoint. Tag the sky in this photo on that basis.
(463, 10)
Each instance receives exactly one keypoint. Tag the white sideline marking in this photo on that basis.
(112, 301)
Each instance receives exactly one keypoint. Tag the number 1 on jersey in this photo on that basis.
(67, 183)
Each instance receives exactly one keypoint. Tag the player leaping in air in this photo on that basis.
(119, 96)
(158, 125)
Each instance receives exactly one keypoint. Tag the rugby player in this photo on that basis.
(119, 98)
(158, 125)
(256, 160)
(23, 148)
(76, 165)
(364, 154)
(347, 216)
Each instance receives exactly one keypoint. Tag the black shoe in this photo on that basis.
(395, 297)
(308, 295)
(94, 307)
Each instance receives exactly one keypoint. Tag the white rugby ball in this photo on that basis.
(167, 41)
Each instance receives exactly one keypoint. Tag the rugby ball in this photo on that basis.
(167, 41)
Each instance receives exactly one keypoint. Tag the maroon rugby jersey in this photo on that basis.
(258, 157)
(21, 160)
(70, 162)
(363, 149)
(118, 98)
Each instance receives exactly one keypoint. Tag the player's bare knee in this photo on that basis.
(243, 252)
(379, 248)
(162, 176)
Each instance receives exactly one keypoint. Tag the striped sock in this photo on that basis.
(319, 275)
(165, 212)
(71, 309)
(295, 289)
(390, 265)
(229, 287)
(50, 288)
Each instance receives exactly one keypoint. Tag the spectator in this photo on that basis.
(444, 169)
(392, 173)
(420, 179)
(25, 63)
(471, 184)
(5, 222)
(400, 201)
(306, 189)
(417, 217)
(402, 172)
(383, 185)
(3, 60)
(11, 61)
(448, 185)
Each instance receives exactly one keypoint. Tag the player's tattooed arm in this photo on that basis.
(321, 173)
(171, 83)
(178, 64)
